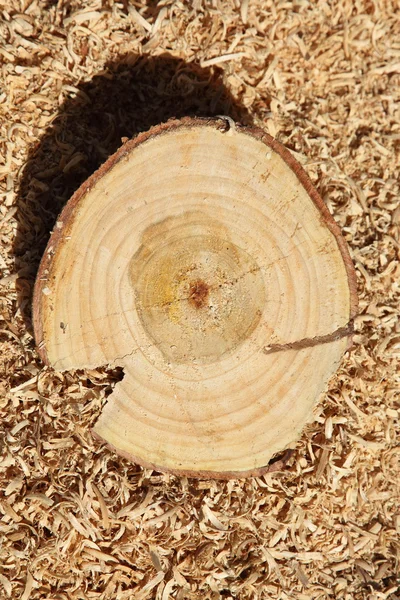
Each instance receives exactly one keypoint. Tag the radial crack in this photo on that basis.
(314, 341)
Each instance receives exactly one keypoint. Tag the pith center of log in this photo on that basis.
(198, 295)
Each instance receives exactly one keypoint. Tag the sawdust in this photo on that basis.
(79, 522)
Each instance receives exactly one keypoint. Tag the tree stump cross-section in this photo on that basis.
(201, 260)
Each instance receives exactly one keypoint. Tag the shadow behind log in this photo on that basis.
(130, 95)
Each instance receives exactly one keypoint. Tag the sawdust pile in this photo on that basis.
(76, 521)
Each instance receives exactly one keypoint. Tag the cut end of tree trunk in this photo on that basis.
(200, 259)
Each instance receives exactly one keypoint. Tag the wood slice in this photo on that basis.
(201, 260)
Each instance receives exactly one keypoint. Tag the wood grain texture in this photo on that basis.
(201, 260)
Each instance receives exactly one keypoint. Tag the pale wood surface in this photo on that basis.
(207, 267)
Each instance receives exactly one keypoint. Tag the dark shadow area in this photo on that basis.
(129, 96)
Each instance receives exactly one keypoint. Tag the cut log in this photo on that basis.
(200, 259)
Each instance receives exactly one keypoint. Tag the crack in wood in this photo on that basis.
(339, 333)
(227, 282)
